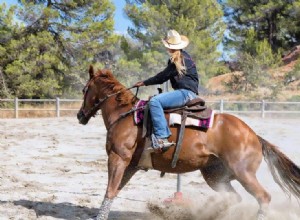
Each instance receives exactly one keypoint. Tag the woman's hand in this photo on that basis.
(138, 84)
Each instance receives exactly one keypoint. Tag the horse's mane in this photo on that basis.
(112, 85)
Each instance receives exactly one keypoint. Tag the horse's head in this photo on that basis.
(92, 96)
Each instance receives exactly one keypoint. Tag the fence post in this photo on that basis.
(16, 107)
(222, 106)
(57, 107)
(263, 108)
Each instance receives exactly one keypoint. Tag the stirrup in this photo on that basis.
(164, 144)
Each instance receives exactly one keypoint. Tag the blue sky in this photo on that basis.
(121, 21)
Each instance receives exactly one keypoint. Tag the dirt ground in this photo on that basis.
(54, 168)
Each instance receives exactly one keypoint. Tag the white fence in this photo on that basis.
(16, 108)
(53, 107)
(262, 108)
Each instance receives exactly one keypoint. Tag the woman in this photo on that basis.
(182, 72)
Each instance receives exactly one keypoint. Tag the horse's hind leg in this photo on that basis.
(245, 173)
(218, 177)
(251, 184)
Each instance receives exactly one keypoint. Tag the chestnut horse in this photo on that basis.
(229, 150)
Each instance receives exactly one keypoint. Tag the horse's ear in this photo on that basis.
(91, 71)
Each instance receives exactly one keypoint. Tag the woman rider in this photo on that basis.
(182, 72)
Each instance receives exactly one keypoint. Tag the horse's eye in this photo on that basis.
(84, 90)
(97, 101)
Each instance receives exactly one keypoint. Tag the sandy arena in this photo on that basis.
(55, 168)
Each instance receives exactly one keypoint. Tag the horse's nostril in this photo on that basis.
(79, 115)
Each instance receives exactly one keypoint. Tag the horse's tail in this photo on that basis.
(284, 171)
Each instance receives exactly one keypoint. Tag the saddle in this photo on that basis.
(193, 109)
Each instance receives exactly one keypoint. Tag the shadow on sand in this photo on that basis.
(70, 211)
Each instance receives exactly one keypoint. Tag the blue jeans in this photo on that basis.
(158, 103)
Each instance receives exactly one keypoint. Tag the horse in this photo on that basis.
(229, 150)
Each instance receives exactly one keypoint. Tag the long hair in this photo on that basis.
(177, 59)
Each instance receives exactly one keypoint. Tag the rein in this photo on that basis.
(125, 114)
(116, 93)
(97, 105)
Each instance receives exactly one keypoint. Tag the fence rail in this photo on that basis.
(16, 108)
(54, 107)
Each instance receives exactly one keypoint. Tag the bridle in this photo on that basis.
(97, 105)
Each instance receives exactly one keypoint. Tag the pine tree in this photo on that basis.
(200, 20)
(277, 21)
(50, 52)
(7, 30)
(256, 61)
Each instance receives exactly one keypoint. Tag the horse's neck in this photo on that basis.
(111, 112)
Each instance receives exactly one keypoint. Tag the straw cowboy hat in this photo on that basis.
(175, 41)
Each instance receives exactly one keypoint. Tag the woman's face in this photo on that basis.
(171, 51)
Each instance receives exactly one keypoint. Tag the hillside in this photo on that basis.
(217, 89)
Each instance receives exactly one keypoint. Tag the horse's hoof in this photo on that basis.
(100, 217)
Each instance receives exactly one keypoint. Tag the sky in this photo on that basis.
(121, 21)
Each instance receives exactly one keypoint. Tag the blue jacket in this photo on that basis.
(189, 80)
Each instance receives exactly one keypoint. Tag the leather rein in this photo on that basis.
(97, 105)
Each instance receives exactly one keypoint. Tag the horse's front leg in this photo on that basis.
(119, 173)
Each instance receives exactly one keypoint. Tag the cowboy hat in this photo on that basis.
(175, 41)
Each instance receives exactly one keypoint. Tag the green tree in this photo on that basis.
(34, 70)
(200, 20)
(256, 62)
(7, 30)
(277, 21)
(133, 64)
(54, 44)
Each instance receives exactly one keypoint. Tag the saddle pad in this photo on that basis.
(202, 123)
(139, 113)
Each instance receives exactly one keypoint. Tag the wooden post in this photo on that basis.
(263, 108)
(16, 107)
(222, 106)
(57, 107)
